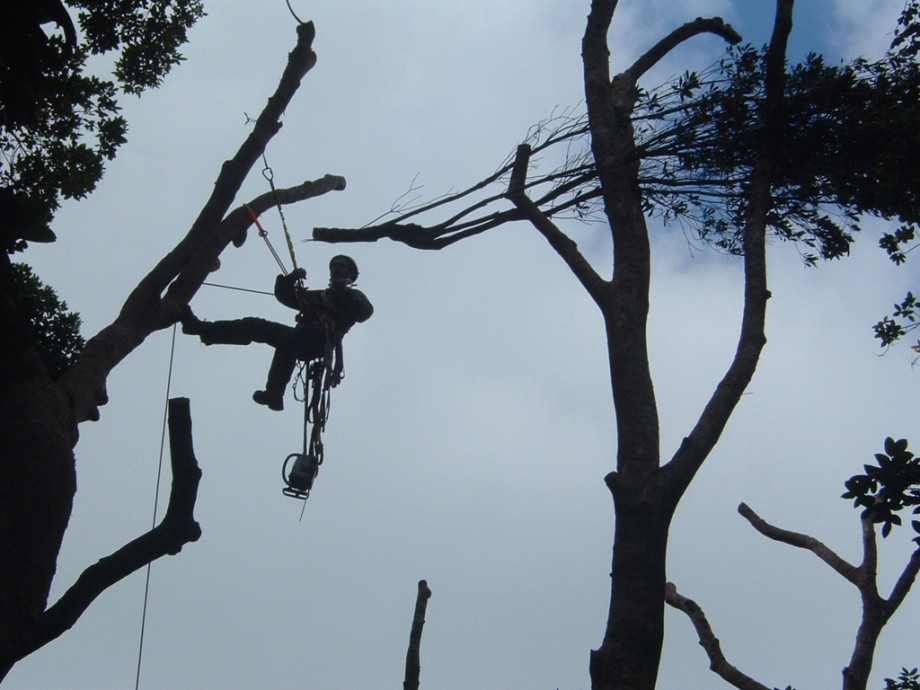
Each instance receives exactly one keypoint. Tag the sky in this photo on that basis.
(469, 441)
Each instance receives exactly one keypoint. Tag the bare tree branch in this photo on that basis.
(177, 528)
(802, 541)
(752, 338)
(565, 247)
(876, 611)
(905, 581)
(708, 641)
(413, 662)
(698, 26)
(238, 220)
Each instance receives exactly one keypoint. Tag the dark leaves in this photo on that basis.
(907, 680)
(55, 329)
(904, 318)
(851, 139)
(74, 124)
(887, 488)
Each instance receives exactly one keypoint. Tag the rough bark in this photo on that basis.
(413, 656)
(39, 417)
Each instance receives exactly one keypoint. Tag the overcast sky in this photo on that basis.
(469, 441)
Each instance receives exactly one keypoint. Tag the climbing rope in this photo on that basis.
(269, 175)
(268, 243)
(291, 10)
(240, 289)
(156, 502)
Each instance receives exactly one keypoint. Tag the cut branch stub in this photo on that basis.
(413, 661)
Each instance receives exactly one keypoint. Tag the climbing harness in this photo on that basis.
(269, 175)
(317, 377)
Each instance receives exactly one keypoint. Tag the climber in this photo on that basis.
(324, 317)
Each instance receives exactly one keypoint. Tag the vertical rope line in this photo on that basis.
(156, 502)
(269, 175)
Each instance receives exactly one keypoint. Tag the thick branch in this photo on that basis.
(698, 26)
(802, 541)
(752, 338)
(410, 234)
(177, 528)
(708, 641)
(238, 220)
(565, 247)
(413, 663)
(190, 261)
(905, 581)
(234, 171)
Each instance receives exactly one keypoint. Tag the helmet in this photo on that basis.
(352, 266)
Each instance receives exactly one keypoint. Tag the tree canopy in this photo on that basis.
(55, 329)
(59, 120)
(848, 136)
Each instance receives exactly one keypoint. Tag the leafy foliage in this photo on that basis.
(55, 329)
(850, 135)
(907, 37)
(889, 487)
(906, 315)
(903, 319)
(850, 138)
(58, 124)
(907, 680)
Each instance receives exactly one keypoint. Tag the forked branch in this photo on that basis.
(876, 610)
(564, 246)
(177, 528)
(181, 272)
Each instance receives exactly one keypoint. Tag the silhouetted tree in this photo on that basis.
(737, 153)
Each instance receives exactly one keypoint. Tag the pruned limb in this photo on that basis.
(238, 220)
(698, 26)
(708, 641)
(564, 246)
(413, 662)
(802, 541)
(177, 528)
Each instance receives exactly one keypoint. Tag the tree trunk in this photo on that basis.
(37, 476)
(630, 654)
(39, 417)
(856, 674)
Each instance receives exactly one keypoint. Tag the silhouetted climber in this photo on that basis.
(324, 317)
